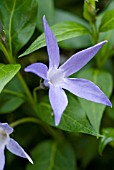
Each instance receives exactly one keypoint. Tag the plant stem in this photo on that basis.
(45, 126)
(25, 87)
(34, 93)
(5, 51)
(94, 33)
(24, 120)
(9, 57)
(7, 91)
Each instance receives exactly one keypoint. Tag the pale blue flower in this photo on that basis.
(56, 77)
(10, 144)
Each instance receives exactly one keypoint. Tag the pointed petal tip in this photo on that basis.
(57, 119)
(102, 42)
(16, 149)
(31, 161)
(28, 157)
(57, 123)
(110, 104)
(107, 102)
(44, 19)
(105, 41)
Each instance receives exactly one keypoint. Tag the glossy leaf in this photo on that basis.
(45, 8)
(76, 43)
(86, 148)
(94, 110)
(9, 103)
(107, 22)
(73, 43)
(63, 16)
(50, 155)
(62, 31)
(18, 20)
(73, 119)
(12, 96)
(108, 138)
(7, 72)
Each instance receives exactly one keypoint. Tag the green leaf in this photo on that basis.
(7, 72)
(86, 148)
(73, 43)
(51, 155)
(18, 20)
(62, 31)
(108, 138)
(45, 8)
(61, 16)
(73, 119)
(9, 103)
(12, 96)
(93, 110)
(76, 43)
(107, 21)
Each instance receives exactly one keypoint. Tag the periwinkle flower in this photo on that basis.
(56, 78)
(10, 144)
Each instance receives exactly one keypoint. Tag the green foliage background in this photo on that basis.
(86, 130)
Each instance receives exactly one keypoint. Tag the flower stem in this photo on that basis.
(34, 93)
(24, 120)
(14, 93)
(50, 130)
(25, 87)
(94, 33)
(4, 51)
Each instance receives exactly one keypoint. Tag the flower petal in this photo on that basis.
(86, 89)
(59, 101)
(2, 158)
(16, 149)
(6, 127)
(52, 46)
(80, 59)
(39, 69)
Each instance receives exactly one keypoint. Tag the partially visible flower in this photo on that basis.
(56, 78)
(10, 144)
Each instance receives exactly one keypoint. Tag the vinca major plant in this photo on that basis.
(56, 84)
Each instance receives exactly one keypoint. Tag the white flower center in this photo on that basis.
(55, 76)
(3, 137)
